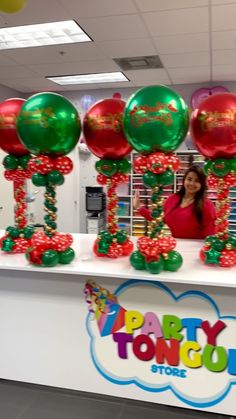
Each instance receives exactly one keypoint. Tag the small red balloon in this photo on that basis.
(9, 139)
(213, 126)
(63, 164)
(103, 129)
(127, 247)
(40, 164)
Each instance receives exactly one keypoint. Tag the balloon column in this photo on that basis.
(156, 122)
(17, 237)
(103, 132)
(213, 130)
(49, 126)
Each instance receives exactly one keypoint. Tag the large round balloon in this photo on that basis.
(213, 126)
(9, 139)
(156, 118)
(49, 124)
(103, 129)
(11, 6)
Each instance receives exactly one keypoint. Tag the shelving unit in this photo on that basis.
(130, 220)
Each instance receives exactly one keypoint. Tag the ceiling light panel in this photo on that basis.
(113, 77)
(53, 33)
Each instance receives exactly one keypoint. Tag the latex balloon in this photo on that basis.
(213, 126)
(103, 129)
(49, 123)
(156, 118)
(9, 139)
(11, 6)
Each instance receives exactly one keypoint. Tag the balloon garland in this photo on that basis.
(103, 133)
(213, 131)
(49, 126)
(155, 123)
(17, 237)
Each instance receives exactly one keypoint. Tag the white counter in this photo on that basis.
(193, 271)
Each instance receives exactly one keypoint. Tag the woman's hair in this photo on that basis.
(200, 195)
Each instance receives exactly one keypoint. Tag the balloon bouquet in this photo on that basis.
(17, 237)
(49, 127)
(213, 128)
(104, 136)
(155, 123)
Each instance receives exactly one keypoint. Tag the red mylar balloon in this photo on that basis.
(103, 129)
(9, 140)
(213, 126)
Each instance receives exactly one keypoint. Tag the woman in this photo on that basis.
(188, 213)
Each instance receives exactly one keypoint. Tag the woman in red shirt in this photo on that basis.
(187, 213)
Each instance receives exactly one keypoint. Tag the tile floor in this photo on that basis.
(25, 401)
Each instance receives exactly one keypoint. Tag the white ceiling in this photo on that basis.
(195, 40)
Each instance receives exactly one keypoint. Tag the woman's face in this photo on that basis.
(191, 183)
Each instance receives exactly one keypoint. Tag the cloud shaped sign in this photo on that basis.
(145, 335)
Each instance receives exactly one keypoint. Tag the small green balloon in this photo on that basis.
(103, 247)
(156, 212)
(55, 178)
(67, 256)
(14, 232)
(39, 180)
(7, 244)
(232, 240)
(121, 236)
(218, 245)
(220, 167)
(174, 261)
(28, 232)
(137, 260)
(166, 178)
(123, 166)
(10, 162)
(107, 167)
(24, 160)
(232, 163)
(150, 179)
(156, 266)
(105, 236)
(156, 118)
(48, 123)
(207, 167)
(50, 258)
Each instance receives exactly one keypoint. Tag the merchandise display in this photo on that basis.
(49, 127)
(155, 123)
(17, 238)
(213, 130)
(104, 136)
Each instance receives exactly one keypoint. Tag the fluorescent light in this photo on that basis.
(52, 33)
(113, 77)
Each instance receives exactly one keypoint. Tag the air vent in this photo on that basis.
(139, 63)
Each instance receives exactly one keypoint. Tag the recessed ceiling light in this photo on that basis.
(113, 77)
(52, 33)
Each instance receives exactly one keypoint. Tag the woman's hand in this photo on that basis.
(136, 200)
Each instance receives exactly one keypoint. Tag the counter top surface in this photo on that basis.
(193, 271)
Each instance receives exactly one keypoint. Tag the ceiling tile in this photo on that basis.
(128, 48)
(79, 67)
(186, 60)
(224, 57)
(16, 71)
(182, 43)
(223, 17)
(152, 75)
(95, 8)
(214, 2)
(224, 72)
(56, 54)
(115, 27)
(5, 60)
(224, 40)
(152, 5)
(195, 74)
(177, 21)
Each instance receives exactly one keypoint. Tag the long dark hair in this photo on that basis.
(200, 195)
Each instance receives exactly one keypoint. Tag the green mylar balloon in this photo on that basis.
(220, 167)
(106, 167)
(166, 178)
(173, 262)
(67, 256)
(123, 166)
(150, 179)
(10, 162)
(39, 180)
(55, 178)
(48, 123)
(156, 118)
(137, 260)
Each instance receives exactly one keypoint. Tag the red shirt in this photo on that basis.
(183, 222)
